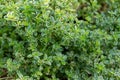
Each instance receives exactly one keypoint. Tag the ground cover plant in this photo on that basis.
(59, 40)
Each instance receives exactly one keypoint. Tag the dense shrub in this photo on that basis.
(60, 39)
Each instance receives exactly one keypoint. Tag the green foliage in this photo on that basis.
(50, 40)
